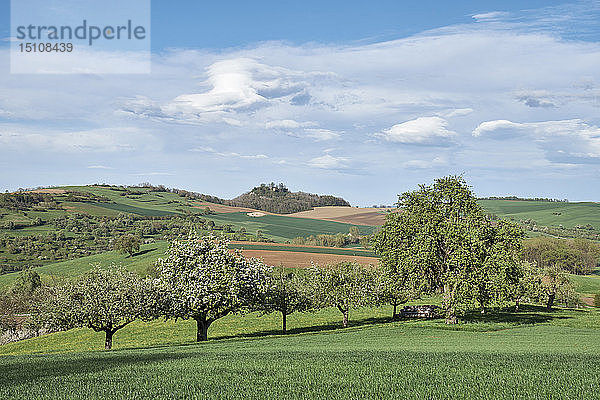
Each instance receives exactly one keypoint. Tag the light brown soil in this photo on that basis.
(347, 215)
(294, 259)
(53, 191)
(589, 300)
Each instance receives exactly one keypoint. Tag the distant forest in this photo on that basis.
(278, 199)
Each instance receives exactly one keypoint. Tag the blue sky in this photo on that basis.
(359, 99)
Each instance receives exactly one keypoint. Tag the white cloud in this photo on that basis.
(490, 16)
(154, 174)
(457, 112)
(491, 126)
(288, 124)
(564, 141)
(423, 130)
(328, 162)
(230, 154)
(322, 134)
(240, 84)
(99, 167)
(424, 164)
(105, 140)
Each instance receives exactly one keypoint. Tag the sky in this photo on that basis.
(364, 100)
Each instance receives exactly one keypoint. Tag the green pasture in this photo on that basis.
(546, 213)
(282, 228)
(530, 355)
(303, 249)
(586, 284)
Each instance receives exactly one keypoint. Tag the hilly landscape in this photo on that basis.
(63, 232)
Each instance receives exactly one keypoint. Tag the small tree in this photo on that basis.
(344, 285)
(127, 244)
(556, 286)
(26, 283)
(103, 300)
(205, 281)
(393, 289)
(285, 294)
(529, 286)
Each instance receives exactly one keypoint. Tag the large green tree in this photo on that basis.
(205, 281)
(440, 240)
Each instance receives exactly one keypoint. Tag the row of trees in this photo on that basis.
(201, 279)
(441, 243)
(335, 240)
(575, 256)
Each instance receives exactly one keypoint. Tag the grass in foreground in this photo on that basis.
(532, 355)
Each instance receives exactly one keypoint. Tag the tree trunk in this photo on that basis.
(284, 322)
(108, 341)
(202, 325)
(394, 314)
(450, 312)
(550, 302)
(516, 305)
(345, 319)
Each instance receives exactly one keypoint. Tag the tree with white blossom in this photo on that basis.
(105, 300)
(204, 281)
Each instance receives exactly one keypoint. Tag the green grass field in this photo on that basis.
(533, 355)
(586, 284)
(546, 213)
(282, 228)
(304, 249)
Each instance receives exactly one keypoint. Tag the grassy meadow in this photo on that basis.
(546, 213)
(282, 228)
(532, 354)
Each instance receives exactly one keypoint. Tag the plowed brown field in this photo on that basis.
(294, 259)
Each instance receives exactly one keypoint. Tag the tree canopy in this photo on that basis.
(205, 281)
(104, 300)
(344, 285)
(441, 241)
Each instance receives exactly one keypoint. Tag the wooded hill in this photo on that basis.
(278, 199)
